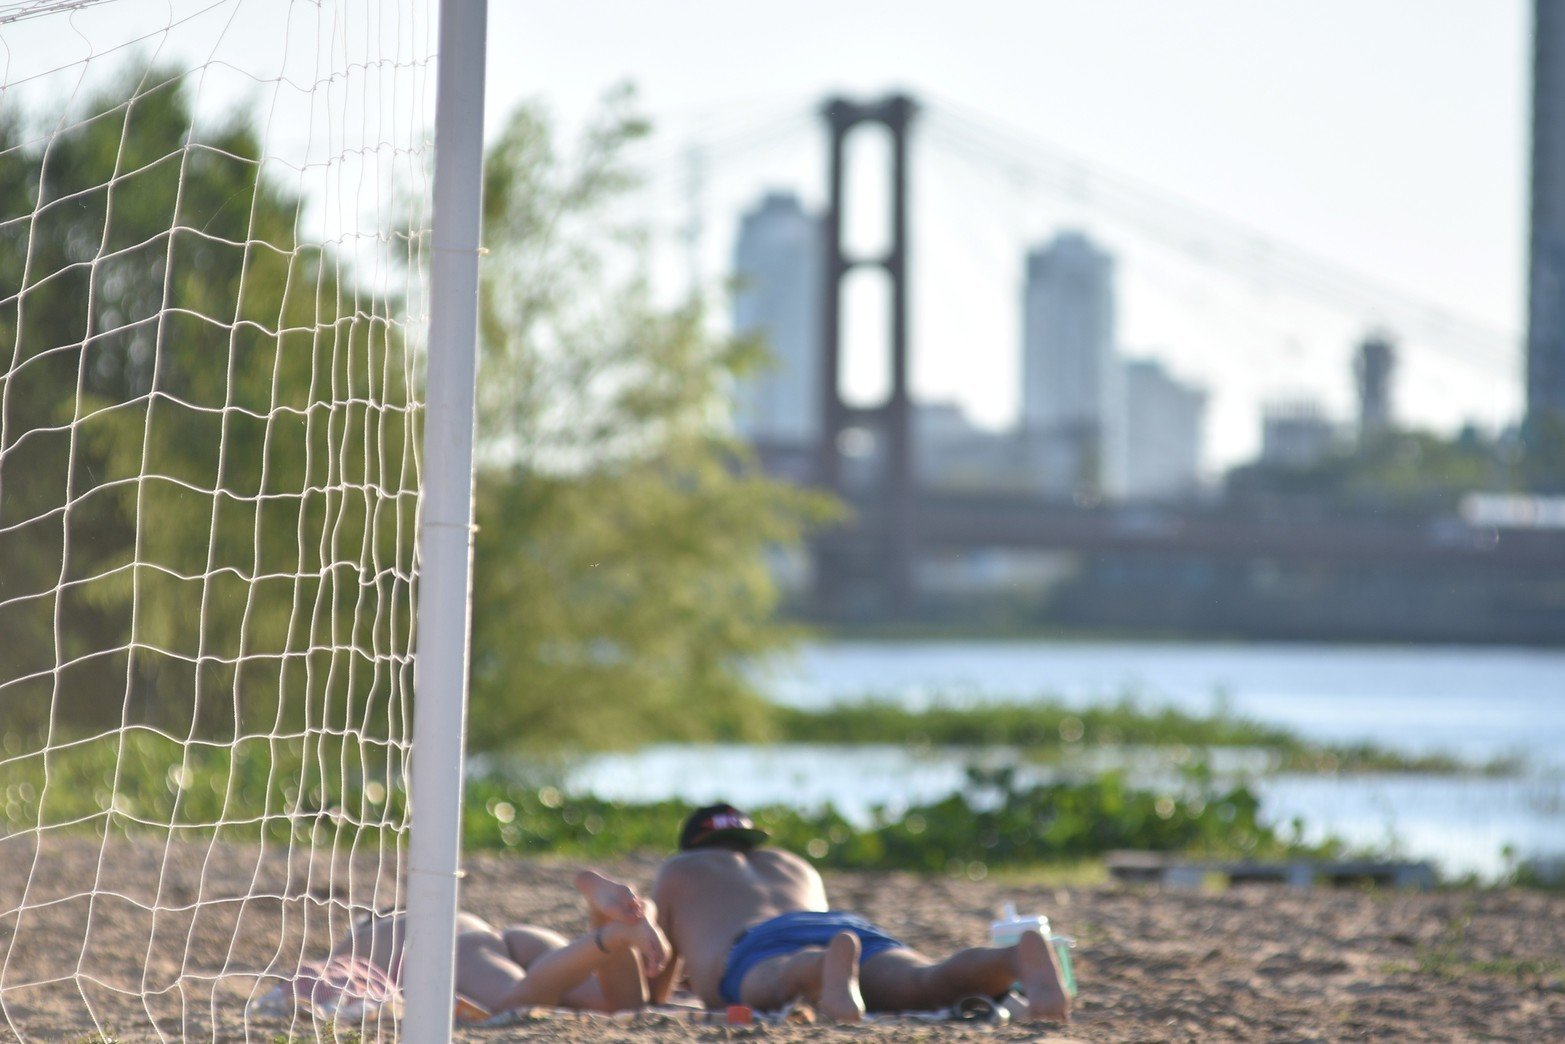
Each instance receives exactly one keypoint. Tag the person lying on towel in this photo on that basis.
(750, 925)
(606, 969)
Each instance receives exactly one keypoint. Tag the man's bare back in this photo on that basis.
(721, 889)
(707, 897)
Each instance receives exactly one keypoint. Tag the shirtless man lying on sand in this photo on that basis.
(751, 926)
(605, 969)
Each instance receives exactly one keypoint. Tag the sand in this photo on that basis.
(1260, 962)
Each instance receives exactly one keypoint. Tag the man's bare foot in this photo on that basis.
(1043, 983)
(610, 898)
(840, 999)
(644, 936)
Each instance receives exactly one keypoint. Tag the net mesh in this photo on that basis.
(212, 293)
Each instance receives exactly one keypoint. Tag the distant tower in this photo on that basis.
(1546, 285)
(777, 265)
(1070, 381)
(1372, 367)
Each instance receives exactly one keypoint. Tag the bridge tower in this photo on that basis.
(878, 546)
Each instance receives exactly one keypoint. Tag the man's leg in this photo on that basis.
(906, 980)
(827, 976)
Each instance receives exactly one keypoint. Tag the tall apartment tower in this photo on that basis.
(1071, 401)
(777, 265)
(1546, 283)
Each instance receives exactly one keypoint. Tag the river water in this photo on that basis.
(1478, 703)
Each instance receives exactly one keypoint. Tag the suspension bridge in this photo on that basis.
(869, 568)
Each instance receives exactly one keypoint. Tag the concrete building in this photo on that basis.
(1071, 399)
(1546, 282)
(1295, 434)
(777, 266)
(957, 456)
(1164, 421)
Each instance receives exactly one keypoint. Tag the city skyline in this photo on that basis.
(1094, 421)
(1330, 129)
(1335, 130)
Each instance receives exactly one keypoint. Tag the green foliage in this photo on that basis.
(308, 787)
(1042, 723)
(1543, 458)
(336, 793)
(995, 823)
(1402, 470)
(1048, 728)
(621, 583)
(207, 437)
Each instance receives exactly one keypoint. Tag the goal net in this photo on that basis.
(213, 294)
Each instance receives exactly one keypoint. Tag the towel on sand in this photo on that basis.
(346, 988)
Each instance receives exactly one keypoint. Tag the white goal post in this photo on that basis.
(446, 534)
(238, 306)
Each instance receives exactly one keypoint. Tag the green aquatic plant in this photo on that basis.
(995, 822)
(1051, 729)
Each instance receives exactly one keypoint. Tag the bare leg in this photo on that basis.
(1043, 981)
(840, 999)
(559, 972)
(486, 970)
(829, 977)
(609, 901)
(622, 978)
(380, 939)
(609, 898)
(905, 980)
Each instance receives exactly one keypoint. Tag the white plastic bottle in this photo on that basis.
(1008, 932)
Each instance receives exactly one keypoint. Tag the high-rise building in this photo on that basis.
(1546, 284)
(1071, 404)
(1163, 426)
(1372, 370)
(777, 266)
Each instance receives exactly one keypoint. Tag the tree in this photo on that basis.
(622, 590)
(188, 399)
(1407, 471)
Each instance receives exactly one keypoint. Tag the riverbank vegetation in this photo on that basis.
(323, 790)
(996, 822)
(1047, 729)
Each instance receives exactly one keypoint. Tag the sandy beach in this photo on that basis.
(1259, 962)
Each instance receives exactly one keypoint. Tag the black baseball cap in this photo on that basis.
(719, 826)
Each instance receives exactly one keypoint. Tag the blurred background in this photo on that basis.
(1156, 411)
(1203, 355)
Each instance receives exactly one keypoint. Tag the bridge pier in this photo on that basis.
(892, 526)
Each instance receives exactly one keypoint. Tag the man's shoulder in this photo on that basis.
(727, 860)
(682, 865)
(776, 857)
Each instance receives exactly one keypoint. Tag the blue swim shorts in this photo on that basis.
(791, 932)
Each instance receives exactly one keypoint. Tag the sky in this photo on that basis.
(1235, 156)
(1387, 138)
